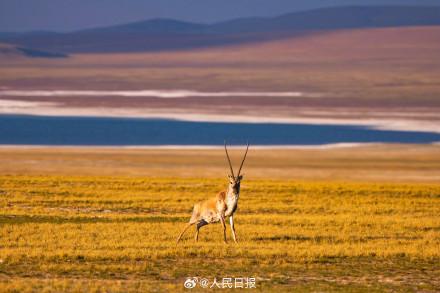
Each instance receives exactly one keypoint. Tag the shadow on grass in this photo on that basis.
(331, 239)
(283, 238)
(25, 219)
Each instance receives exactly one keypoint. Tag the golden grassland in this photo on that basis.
(105, 232)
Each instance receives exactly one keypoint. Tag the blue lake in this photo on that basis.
(43, 130)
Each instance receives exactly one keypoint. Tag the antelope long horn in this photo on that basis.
(244, 158)
(229, 160)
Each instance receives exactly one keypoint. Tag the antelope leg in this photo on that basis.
(199, 225)
(231, 221)
(222, 219)
(184, 230)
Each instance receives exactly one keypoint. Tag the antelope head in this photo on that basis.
(234, 181)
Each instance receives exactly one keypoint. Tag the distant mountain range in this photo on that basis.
(168, 34)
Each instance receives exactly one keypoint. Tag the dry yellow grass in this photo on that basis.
(377, 163)
(96, 233)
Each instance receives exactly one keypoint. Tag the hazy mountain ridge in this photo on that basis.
(169, 34)
(322, 18)
(337, 18)
(157, 25)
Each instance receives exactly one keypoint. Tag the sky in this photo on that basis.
(69, 15)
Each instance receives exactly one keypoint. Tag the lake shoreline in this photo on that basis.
(201, 147)
(136, 132)
(394, 124)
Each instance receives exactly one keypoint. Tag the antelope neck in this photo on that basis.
(232, 193)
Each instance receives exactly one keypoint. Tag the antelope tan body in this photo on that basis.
(218, 208)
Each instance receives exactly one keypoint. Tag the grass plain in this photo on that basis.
(106, 220)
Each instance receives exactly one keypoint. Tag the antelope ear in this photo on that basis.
(240, 177)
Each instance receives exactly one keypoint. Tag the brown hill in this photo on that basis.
(12, 51)
(362, 73)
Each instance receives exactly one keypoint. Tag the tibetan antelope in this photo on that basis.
(218, 208)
